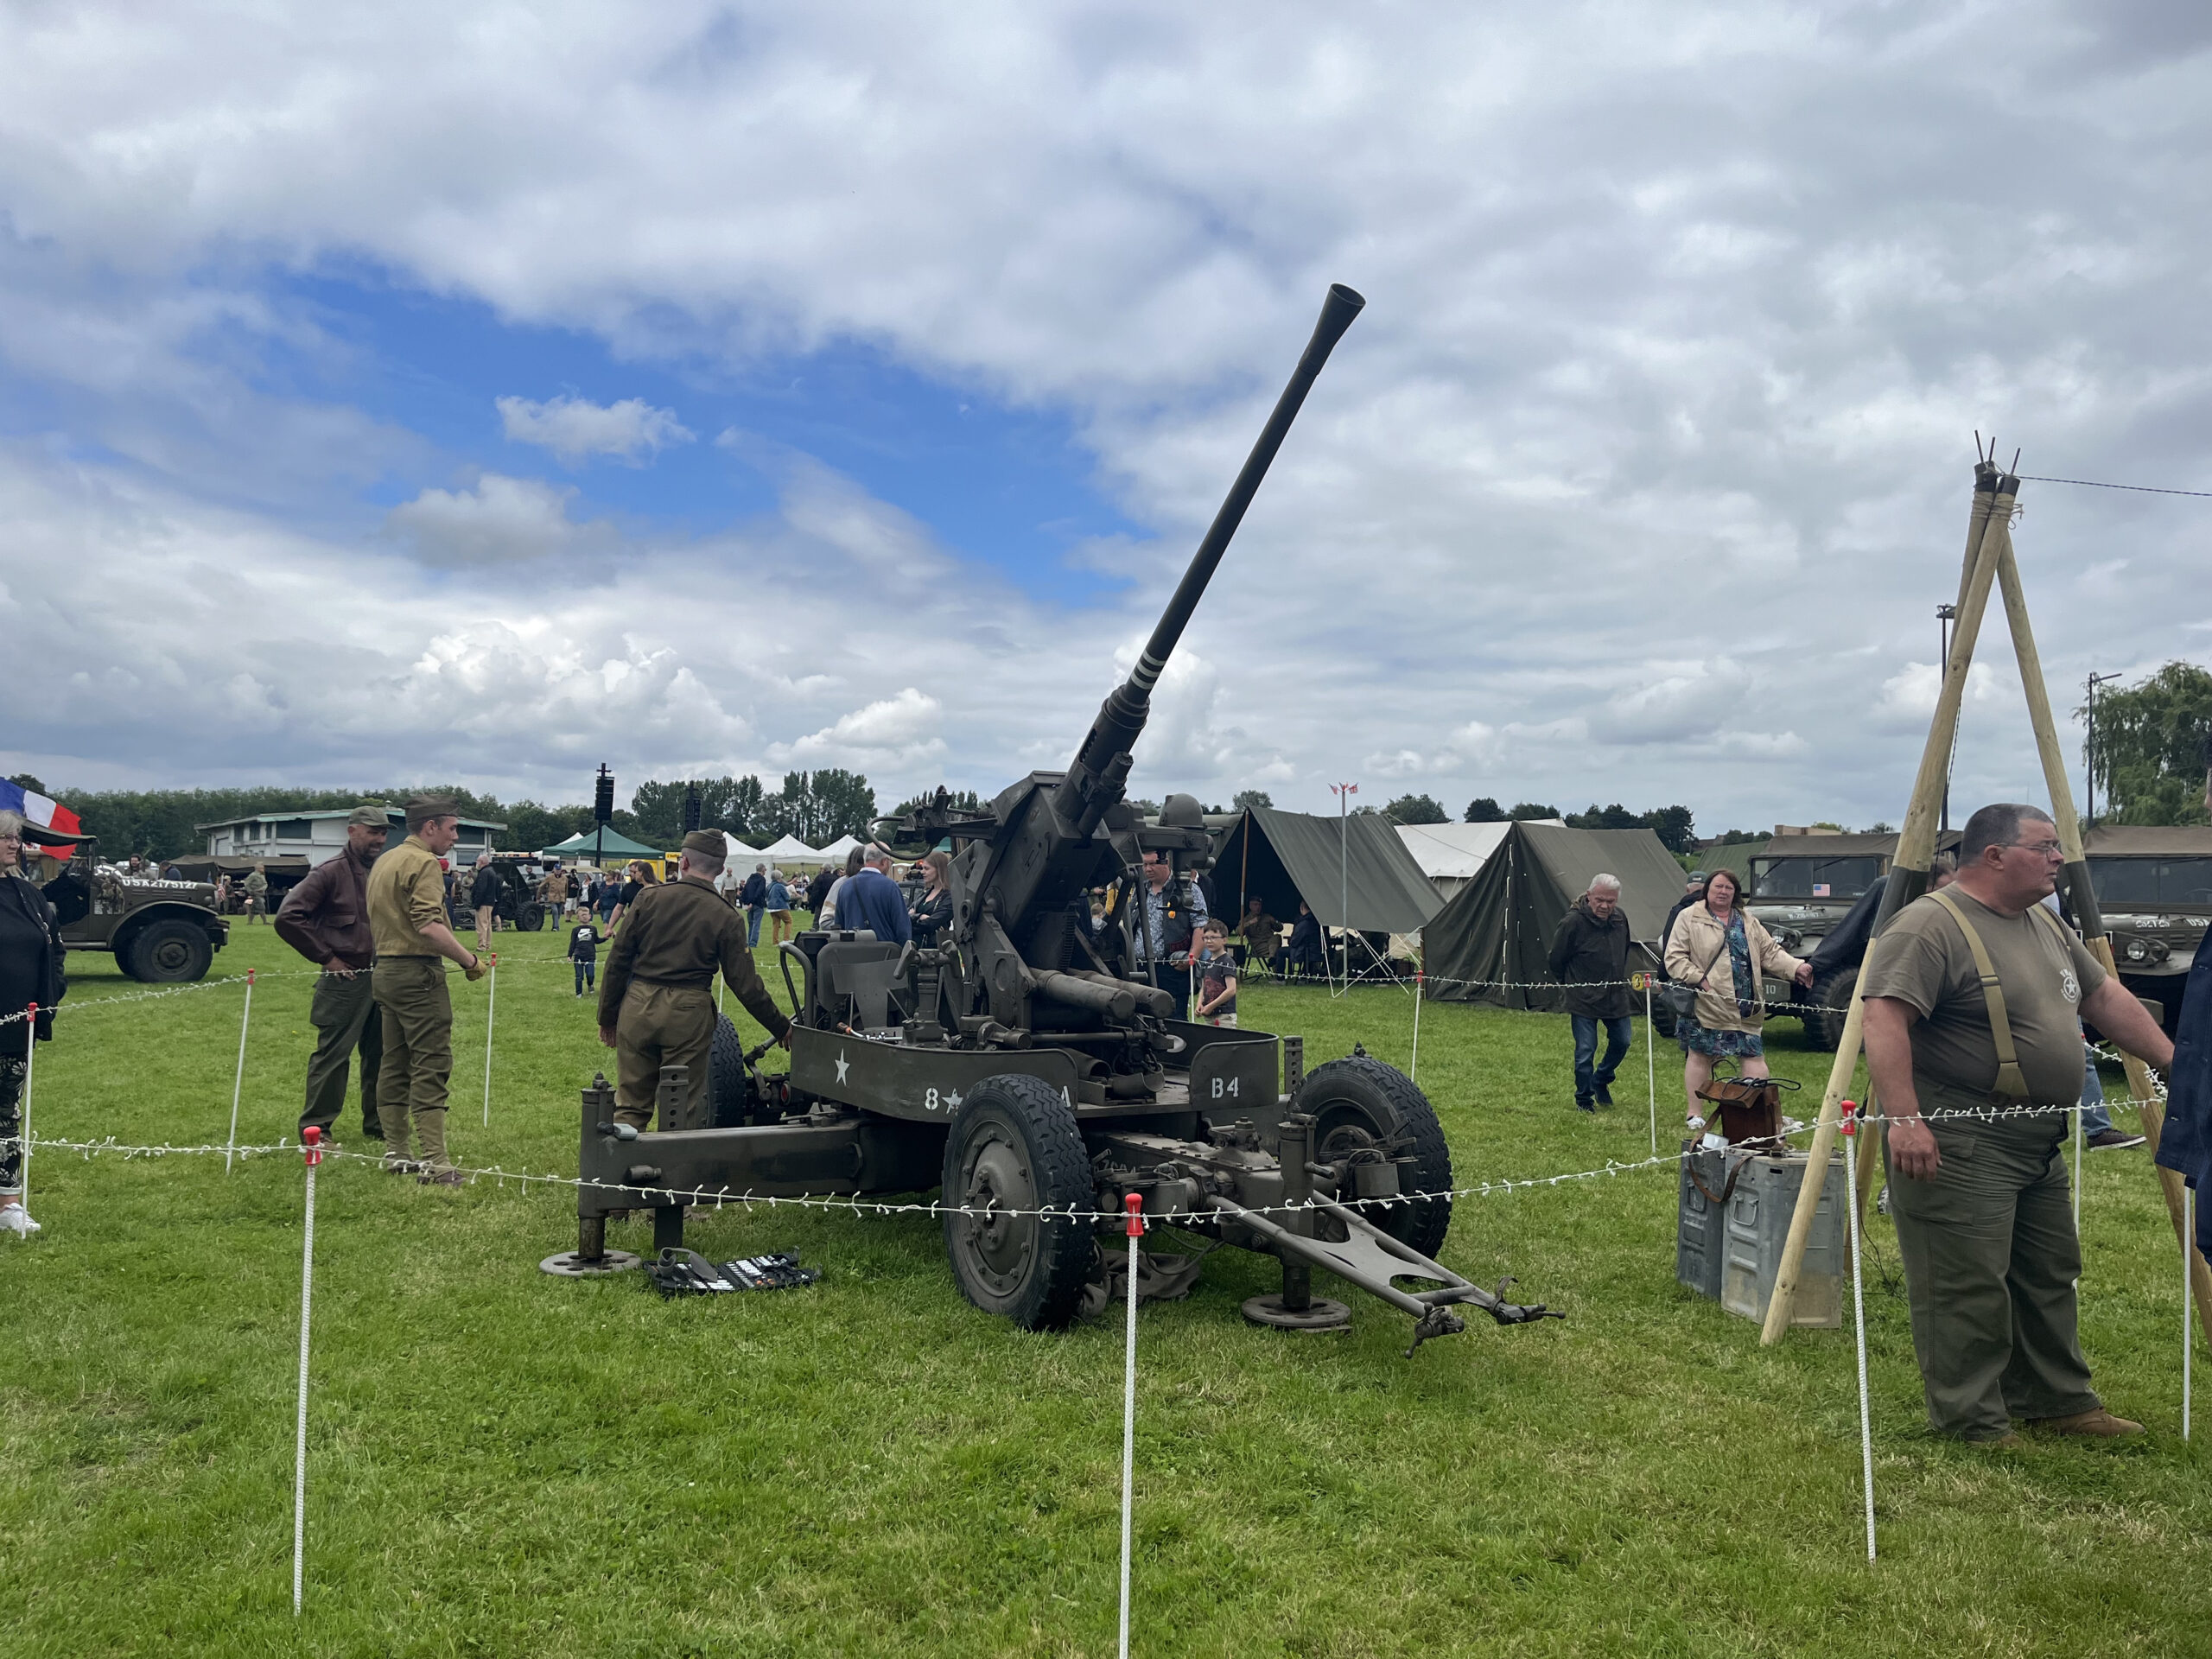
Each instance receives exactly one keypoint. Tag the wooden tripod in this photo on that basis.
(1988, 560)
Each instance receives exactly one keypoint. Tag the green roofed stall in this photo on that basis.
(588, 845)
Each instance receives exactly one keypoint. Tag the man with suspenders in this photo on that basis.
(1975, 998)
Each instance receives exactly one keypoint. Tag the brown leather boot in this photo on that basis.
(2099, 1423)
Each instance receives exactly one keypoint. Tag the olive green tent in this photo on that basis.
(1352, 871)
(1499, 926)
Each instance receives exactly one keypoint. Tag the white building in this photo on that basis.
(318, 835)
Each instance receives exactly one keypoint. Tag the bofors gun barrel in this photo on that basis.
(1095, 782)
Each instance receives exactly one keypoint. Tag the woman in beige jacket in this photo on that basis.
(1722, 949)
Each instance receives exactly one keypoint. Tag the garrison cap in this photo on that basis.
(369, 816)
(707, 842)
(424, 808)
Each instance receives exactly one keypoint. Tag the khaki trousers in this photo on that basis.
(1990, 1261)
(418, 1055)
(345, 1017)
(657, 1026)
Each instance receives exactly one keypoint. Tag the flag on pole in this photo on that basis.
(46, 813)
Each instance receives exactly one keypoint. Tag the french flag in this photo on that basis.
(38, 809)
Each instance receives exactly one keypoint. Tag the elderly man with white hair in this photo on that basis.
(871, 899)
(1590, 959)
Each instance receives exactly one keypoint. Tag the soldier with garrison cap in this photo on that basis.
(656, 1004)
(407, 918)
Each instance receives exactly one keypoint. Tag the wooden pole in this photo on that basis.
(2086, 908)
(1992, 507)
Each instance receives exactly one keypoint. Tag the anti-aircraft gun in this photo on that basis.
(1029, 1063)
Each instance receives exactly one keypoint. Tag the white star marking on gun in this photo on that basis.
(841, 1065)
(952, 1102)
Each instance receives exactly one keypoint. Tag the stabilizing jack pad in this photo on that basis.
(570, 1265)
(1319, 1314)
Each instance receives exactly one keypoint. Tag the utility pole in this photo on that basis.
(2089, 794)
(1947, 617)
(1343, 792)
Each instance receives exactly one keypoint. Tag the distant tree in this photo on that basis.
(1252, 797)
(1484, 809)
(1832, 828)
(24, 780)
(1417, 809)
(658, 809)
(1525, 810)
(2150, 747)
(1144, 809)
(1675, 826)
(957, 800)
(842, 803)
(1881, 827)
(1615, 816)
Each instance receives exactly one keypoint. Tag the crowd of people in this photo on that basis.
(1974, 996)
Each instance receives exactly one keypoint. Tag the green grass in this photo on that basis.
(506, 1462)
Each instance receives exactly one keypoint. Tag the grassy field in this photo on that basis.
(506, 1462)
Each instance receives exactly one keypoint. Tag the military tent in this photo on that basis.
(1499, 926)
(1451, 855)
(1352, 871)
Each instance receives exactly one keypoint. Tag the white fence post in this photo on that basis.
(311, 1137)
(1135, 1204)
(1651, 1064)
(2187, 1336)
(1413, 1066)
(490, 1006)
(24, 1125)
(1858, 1310)
(246, 1018)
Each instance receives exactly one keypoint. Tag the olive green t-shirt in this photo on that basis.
(1922, 959)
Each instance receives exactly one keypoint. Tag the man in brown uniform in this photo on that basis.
(325, 919)
(1975, 998)
(656, 1004)
(407, 916)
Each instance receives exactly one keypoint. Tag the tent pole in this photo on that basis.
(2086, 908)
(1992, 511)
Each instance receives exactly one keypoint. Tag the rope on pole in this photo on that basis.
(246, 1018)
(312, 1136)
(1134, 1201)
(1850, 1127)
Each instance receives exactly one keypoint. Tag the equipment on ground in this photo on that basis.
(680, 1271)
(162, 932)
(1733, 1220)
(1031, 1066)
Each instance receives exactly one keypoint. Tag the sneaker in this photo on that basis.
(13, 1218)
(2114, 1140)
(2099, 1423)
(1604, 1095)
(439, 1177)
(1582, 1104)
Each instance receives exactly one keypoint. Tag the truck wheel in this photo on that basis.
(531, 918)
(1363, 1103)
(1016, 1145)
(729, 1091)
(170, 953)
(1825, 1014)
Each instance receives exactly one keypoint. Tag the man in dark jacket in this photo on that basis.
(2186, 1145)
(1590, 958)
(753, 899)
(1693, 893)
(325, 919)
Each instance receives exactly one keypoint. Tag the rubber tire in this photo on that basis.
(1023, 1128)
(1824, 1017)
(531, 919)
(170, 953)
(1364, 1094)
(729, 1089)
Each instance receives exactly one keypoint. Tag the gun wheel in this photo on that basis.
(1014, 1147)
(1361, 1102)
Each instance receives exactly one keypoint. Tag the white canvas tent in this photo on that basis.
(790, 850)
(738, 854)
(838, 850)
(1453, 854)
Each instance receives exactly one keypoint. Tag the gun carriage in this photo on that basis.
(1029, 1066)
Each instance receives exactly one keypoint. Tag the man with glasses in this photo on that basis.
(1975, 998)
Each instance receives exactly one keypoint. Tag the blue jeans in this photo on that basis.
(1586, 1081)
(2095, 1118)
(586, 972)
(753, 914)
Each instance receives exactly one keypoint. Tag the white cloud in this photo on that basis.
(575, 428)
(1911, 694)
(903, 728)
(502, 521)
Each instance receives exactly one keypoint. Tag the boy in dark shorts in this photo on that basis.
(1216, 1004)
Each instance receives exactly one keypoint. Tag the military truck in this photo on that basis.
(517, 903)
(2154, 885)
(1801, 888)
(162, 933)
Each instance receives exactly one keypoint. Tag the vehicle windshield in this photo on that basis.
(1814, 878)
(2152, 881)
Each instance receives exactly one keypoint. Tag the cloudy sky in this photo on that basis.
(484, 392)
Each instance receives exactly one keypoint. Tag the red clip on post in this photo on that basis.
(1134, 1204)
(311, 1143)
(249, 975)
(1850, 1109)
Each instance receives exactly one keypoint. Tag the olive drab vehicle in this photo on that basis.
(516, 903)
(2154, 885)
(1028, 1066)
(162, 933)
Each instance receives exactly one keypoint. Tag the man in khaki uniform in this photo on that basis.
(656, 1004)
(1975, 998)
(407, 919)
